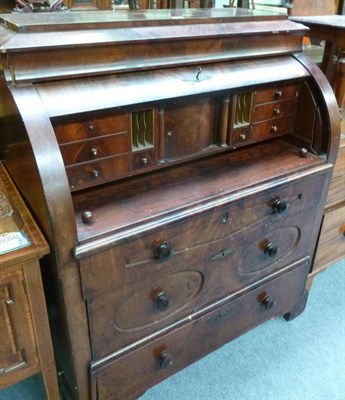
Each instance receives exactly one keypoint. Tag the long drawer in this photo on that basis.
(122, 378)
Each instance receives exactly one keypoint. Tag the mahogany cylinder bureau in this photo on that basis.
(178, 162)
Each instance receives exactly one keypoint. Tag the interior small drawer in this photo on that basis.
(273, 111)
(142, 159)
(123, 377)
(93, 149)
(81, 128)
(271, 128)
(99, 171)
(275, 94)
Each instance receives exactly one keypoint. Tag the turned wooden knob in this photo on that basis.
(267, 302)
(271, 250)
(87, 217)
(161, 301)
(279, 205)
(303, 152)
(165, 359)
(163, 251)
(94, 152)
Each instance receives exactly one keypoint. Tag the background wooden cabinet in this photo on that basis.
(25, 346)
(89, 5)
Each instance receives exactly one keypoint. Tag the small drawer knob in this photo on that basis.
(274, 129)
(267, 302)
(163, 251)
(94, 152)
(276, 111)
(243, 136)
(278, 93)
(91, 127)
(303, 152)
(279, 205)
(95, 173)
(271, 250)
(165, 359)
(87, 217)
(161, 301)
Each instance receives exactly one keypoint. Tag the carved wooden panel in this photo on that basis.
(17, 346)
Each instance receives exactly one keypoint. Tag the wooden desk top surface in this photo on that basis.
(124, 18)
(23, 218)
(331, 21)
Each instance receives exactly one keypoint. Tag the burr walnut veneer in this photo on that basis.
(178, 162)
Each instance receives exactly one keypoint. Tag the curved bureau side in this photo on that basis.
(71, 341)
(330, 104)
(51, 170)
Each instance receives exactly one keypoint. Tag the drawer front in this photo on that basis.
(143, 159)
(99, 171)
(129, 375)
(272, 128)
(331, 246)
(336, 193)
(188, 128)
(193, 279)
(94, 149)
(155, 252)
(275, 94)
(71, 130)
(339, 167)
(18, 348)
(273, 111)
(240, 136)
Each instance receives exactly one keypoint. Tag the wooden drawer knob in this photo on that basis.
(278, 93)
(94, 152)
(87, 217)
(267, 302)
(165, 359)
(95, 173)
(279, 205)
(163, 251)
(161, 301)
(303, 152)
(271, 250)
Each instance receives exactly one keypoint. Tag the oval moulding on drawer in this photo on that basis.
(272, 247)
(140, 310)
